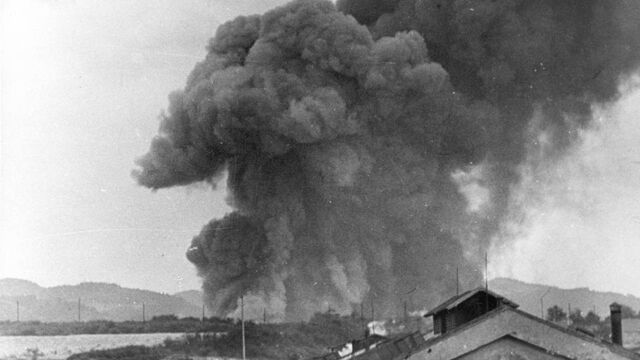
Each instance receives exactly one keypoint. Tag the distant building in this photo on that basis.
(631, 334)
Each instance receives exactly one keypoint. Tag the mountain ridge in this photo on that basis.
(95, 300)
(529, 295)
(109, 301)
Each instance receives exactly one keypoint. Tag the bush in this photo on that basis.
(123, 353)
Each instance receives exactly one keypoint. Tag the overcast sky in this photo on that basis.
(83, 84)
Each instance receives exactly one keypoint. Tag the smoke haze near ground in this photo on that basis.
(371, 146)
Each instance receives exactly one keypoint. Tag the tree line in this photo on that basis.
(157, 324)
(591, 322)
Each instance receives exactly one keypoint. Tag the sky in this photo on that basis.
(576, 221)
(83, 84)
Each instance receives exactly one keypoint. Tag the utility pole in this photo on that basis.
(18, 311)
(372, 311)
(457, 282)
(79, 304)
(244, 355)
(144, 318)
(406, 320)
(203, 312)
(264, 315)
(486, 272)
(486, 281)
(542, 303)
(362, 316)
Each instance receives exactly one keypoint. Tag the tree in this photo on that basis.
(627, 312)
(556, 314)
(576, 317)
(592, 318)
(164, 318)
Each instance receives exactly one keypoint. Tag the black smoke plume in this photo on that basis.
(370, 149)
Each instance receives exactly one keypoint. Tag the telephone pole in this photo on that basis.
(457, 282)
(144, 318)
(18, 311)
(372, 311)
(244, 354)
(486, 272)
(406, 315)
(486, 281)
(542, 303)
(362, 315)
(79, 305)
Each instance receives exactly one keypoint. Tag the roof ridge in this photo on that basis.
(613, 347)
(467, 294)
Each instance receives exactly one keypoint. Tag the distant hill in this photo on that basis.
(18, 287)
(528, 297)
(97, 301)
(193, 297)
(113, 302)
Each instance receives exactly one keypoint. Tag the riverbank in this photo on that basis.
(290, 341)
(62, 346)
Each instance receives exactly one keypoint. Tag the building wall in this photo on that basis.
(450, 319)
(509, 349)
(631, 333)
(507, 321)
(438, 322)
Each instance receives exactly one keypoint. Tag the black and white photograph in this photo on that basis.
(319, 179)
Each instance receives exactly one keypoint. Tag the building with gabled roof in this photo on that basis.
(481, 324)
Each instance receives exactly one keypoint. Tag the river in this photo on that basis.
(61, 347)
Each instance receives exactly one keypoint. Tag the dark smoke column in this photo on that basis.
(348, 146)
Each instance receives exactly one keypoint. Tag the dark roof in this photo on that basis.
(459, 299)
(397, 347)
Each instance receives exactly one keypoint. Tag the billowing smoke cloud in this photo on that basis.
(370, 149)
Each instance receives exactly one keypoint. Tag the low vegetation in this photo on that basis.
(221, 338)
(273, 341)
(158, 324)
(123, 353)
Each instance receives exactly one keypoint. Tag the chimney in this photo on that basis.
(616, 323)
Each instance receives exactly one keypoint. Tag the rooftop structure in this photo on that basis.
(481, 324)
(465, 307)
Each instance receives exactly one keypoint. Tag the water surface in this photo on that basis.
(61, 347)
